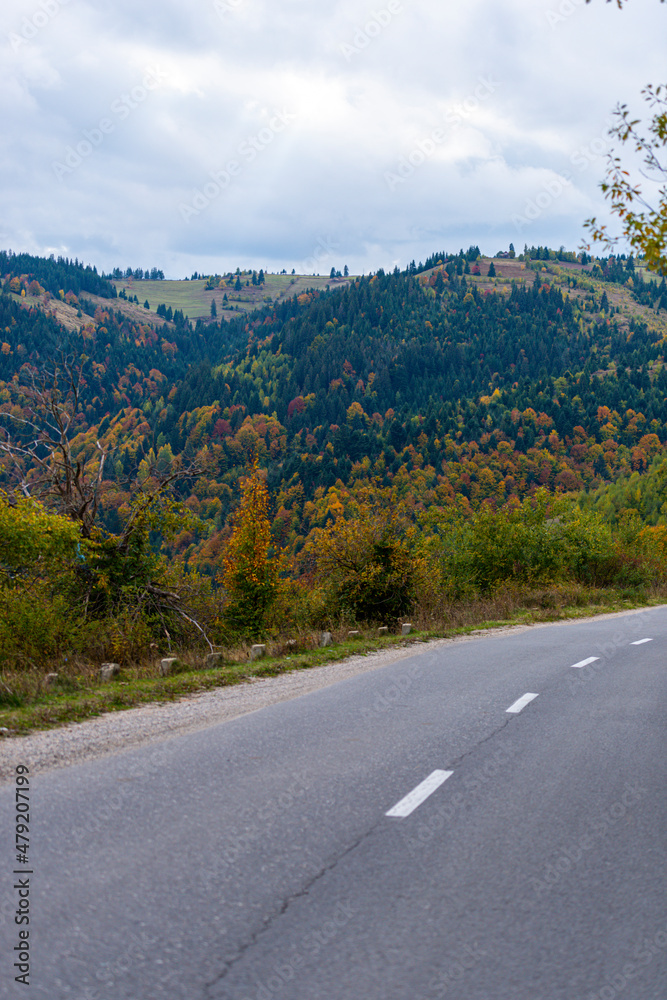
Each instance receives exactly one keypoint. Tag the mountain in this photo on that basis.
(442, 378)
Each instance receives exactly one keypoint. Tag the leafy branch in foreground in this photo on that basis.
(644, 224)
(619, 3)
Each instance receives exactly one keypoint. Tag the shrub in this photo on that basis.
(545, 538)
(364, 565)
(36, 625)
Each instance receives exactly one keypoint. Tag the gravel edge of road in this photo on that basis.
(119, 732)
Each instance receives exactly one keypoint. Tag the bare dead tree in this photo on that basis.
(38, 431)
(37, 442)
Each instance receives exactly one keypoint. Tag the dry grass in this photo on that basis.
(29, 700)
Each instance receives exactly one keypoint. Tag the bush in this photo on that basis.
(541, 540)
(38, 555)
(364, 566)
(37, 625)
(34, 542)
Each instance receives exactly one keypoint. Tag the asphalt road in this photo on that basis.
(255, 860)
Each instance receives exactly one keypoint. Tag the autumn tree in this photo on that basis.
(33, 542)
(39, 552)
(250, 571)
(363, 558)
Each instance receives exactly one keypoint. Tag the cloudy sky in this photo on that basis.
(310, 133)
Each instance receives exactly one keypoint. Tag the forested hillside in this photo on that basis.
(484, 387)
(465, 384)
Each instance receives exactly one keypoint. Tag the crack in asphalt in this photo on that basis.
(282, 909)
(416, 859)
(491, 736)
(289, 900)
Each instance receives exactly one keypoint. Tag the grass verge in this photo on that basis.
(78, 698)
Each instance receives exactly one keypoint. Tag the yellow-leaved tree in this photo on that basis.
(250, 571)
(39, 552)
(364, 565)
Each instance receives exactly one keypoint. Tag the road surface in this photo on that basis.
(481, 822)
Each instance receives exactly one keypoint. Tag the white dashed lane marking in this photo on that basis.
(522, 702)
(584, 663)
(429, 785)
(419, 794)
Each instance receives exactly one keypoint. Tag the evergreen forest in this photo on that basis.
(354, 455)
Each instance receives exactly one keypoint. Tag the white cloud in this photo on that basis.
(519, 94)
